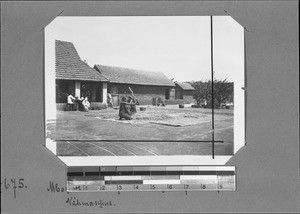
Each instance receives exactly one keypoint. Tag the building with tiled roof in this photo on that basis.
(146, 85)
(74, 76)
(184, 91)
(69, 66)
(185, 86)
(133, 76)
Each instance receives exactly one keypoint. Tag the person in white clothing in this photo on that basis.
(70, 102)
(86, 104)
(109, 100)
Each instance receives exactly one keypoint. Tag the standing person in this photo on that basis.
(133, 104)
(80, 105)
(70, 102)
(124, 111)
(109, 100)
(77, 103)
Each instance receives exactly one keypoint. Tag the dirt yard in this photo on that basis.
(90, 133)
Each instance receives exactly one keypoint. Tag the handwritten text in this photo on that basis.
(73, 201)
(13, 183)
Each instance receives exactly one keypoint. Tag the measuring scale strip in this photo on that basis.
(201, 184)
(220, 178)
(152, 187)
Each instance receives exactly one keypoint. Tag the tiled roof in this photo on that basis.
(132, 76)
(69, 66)
(185, 86)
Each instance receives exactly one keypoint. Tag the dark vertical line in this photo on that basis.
(235, 178)
(1, 67)
(66, 178)
(245, 85)
(1, 85)
(212, 88)
(44, 90)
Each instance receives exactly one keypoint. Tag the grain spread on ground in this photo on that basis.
(153, 114)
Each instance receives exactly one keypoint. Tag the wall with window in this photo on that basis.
(144, 93)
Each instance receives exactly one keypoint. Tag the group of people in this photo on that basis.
(76, 103)
(126, 111)
(127, 108)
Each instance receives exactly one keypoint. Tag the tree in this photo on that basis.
(223, 92)
(201, 93)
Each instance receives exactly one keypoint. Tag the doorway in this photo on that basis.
(167, 94)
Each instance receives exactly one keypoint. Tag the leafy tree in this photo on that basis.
(223, 92)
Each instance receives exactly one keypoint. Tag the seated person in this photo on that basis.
(160, 102)
(86, 104)
(124, 111)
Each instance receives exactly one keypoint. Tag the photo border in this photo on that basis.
(188, 159)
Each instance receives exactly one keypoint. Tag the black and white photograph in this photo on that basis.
(159, 86)
(149, 106)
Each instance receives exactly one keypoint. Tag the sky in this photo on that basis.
(178, 46)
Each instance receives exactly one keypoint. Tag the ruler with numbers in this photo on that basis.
(151, 178)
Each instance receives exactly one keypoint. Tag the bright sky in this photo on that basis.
(178, 46)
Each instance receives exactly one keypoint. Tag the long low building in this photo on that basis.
(75, 76)
(146, 85)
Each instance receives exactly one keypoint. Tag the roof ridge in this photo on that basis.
(57, 40)
(134, 69)
(133, 76)
(67, 57)
(185, 85)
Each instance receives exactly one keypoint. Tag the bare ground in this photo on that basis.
(156, 123)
